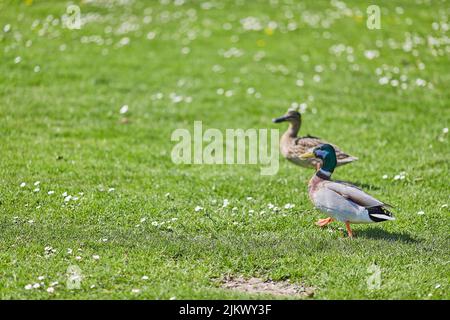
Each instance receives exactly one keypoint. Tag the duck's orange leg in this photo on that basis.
(349, 230)
(324, 222)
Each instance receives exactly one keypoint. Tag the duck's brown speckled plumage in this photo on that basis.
(292, 146)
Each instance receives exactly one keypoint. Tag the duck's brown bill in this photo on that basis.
(307, 155)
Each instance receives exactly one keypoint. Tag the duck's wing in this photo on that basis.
(308, 143)
(342, 157)
(346, 183)
(310, 136)
(376, 208)
(353, 193)
(302, 145)
(341, 208)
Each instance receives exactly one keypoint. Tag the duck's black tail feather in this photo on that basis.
(379, 214)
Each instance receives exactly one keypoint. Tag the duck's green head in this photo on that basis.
(326, 153)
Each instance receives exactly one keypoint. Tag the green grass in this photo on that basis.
(61, 126)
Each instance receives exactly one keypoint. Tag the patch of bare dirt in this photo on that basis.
(260, 286)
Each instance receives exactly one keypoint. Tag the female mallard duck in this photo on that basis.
(292, 147)
(339, 200)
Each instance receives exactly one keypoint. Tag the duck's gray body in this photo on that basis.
(345, 202)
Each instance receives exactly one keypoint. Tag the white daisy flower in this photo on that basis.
(123, 109)
(225, 203)
(289, 206)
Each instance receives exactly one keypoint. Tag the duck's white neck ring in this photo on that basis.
(323, 174)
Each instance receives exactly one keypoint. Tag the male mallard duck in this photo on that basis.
(292, 147)
(339, 200)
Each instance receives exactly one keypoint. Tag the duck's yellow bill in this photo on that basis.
(307, 155)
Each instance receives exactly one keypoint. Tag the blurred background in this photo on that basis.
(87, 107)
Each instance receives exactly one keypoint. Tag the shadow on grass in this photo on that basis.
(380, 234)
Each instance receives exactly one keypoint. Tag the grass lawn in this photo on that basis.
(381, 95)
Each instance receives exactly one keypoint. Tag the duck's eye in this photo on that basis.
(320, 153)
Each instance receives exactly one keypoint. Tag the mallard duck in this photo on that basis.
(292, 147)
(341, 201)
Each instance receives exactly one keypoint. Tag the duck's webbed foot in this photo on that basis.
(324, 222)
